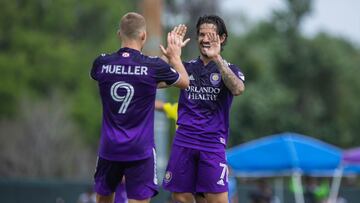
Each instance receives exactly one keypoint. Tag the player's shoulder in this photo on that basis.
(190, 64)
(153, 61)
(104, 58)
(237, 70)
(191, 61)
(232, 66)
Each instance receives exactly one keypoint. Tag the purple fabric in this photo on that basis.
(352, 155)
(140, 178)
(120, 194)
(127, 83)
(192, 170)
(204, 107)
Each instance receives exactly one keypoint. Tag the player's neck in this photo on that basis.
(205, 59)
(131, 44)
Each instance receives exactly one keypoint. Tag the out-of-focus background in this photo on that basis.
(301, 59)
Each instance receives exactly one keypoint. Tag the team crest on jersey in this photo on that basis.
(125, 54)
(168, 176)
(215, 78)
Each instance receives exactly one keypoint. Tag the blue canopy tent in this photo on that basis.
(284, 154)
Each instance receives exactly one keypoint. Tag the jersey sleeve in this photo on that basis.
(237, 71)
(165, 73)
(96, 68)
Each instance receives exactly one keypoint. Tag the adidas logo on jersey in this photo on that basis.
(241, 76)
(221, 182)
(191, 77)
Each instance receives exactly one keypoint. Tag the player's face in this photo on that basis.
(203, 40)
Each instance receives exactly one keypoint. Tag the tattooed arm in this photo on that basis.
(232, 82)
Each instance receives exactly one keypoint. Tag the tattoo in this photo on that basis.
(233, 83)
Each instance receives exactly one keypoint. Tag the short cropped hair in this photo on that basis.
(131, 25)
(215, 20)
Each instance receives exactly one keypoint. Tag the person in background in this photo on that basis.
(262, 193)
(310, 186)
(170, 109)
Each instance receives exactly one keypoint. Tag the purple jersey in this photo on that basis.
(127, 82)
(204, 106)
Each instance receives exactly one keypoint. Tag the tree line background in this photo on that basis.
(50, 109)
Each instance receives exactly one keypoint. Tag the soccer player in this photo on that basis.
(197, 161)
(127, 82)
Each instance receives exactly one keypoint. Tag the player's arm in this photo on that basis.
(173, 53)
(159, 105)
(94, 72)
(231, 81)
(180, 31)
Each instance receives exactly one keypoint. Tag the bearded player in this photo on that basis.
(197, 163)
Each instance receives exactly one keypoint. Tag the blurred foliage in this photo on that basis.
(294, 83)
(41, 142)
(49, 45)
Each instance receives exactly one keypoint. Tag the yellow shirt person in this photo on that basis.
(169, 109)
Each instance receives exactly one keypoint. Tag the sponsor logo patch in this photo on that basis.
(125, 54)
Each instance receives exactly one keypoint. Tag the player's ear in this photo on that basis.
(222, 38)
(118, 33)
(143, 36)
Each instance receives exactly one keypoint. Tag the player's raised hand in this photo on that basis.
(173, 49)
(180, 31)
(215, 45)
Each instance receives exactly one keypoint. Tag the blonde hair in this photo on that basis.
(131, 25)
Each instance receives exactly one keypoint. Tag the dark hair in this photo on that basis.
(215, 20)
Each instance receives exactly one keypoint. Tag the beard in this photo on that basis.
(202, 51)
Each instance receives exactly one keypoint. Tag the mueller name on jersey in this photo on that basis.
(124, 70)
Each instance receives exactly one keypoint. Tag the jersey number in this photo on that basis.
(126, 99)
(224, 174)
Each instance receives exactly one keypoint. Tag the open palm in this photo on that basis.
(180, 31)
(215, 45)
